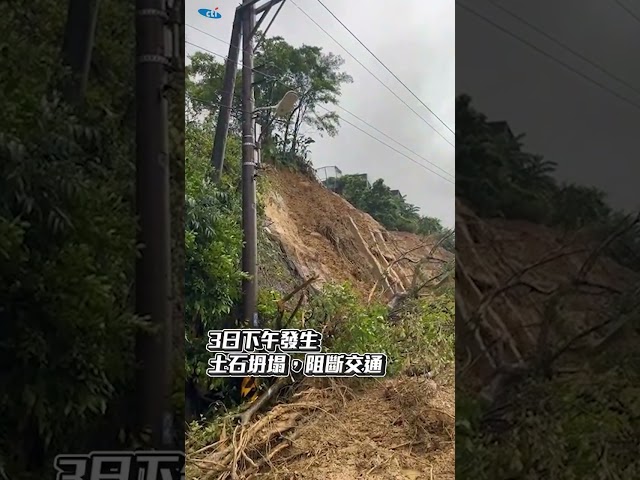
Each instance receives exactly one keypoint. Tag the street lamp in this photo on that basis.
(284, 107)
(287, 104)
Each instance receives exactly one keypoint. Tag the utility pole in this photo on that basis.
(153, 269)
(222, 127)
(244, 24)
(249, 215)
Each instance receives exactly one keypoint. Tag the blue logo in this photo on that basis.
(205, 12)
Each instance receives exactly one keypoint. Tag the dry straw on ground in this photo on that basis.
(393, 429)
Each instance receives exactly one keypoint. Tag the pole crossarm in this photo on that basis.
(267, 6)
(257, 9)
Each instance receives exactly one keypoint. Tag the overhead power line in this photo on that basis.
(548, 55)
(205, 102)
(628, 10)
(563, 45)
(386, 68)
(226, 42)
(339, 117)
(211, 104)
(206, 50)
(394, 141)
(343, 109)
(372, 74)
(392, 148)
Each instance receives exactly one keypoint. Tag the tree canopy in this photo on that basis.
(389, 207)
(279, 67)
(499, 178)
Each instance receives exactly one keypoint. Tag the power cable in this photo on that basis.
(210, 35)
(392, 148)
(563, 45)
(340, 107)
(628, 10)
(383, 64)
(211, 104)
(372, 74)
(394, 141)
(205, 102)
(546, 54)
(225, 58)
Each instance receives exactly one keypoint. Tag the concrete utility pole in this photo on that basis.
(222, 127)
(249, 215)
(153, 269)
(244, 23)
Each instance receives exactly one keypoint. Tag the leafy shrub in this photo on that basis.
(213, 243)
(423, 335)
(426, 333)
(66, 261)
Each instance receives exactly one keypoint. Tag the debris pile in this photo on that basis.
(325, 236)
(524, 290)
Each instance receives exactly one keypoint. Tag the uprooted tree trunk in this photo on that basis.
(399, 279)
(283, 301)
(280, 383)
(374, 266)
(416, 289)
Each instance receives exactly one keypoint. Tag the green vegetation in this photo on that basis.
(214, 239)
(500, 179)
(67, 239)
(423, 333)
(213, 244)
(389, 207)
(280, 67)
(581, 424)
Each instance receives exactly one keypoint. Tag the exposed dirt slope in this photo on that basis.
(398, 428)
(313, 226)
(507, 274)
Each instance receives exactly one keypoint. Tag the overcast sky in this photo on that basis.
(592, 135)
(417, 42)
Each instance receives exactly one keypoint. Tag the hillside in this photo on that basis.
(546, 347)
(546, 314)
(396, 428)
(315, 228)
(507, 271)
